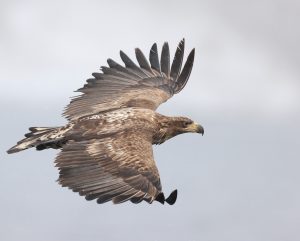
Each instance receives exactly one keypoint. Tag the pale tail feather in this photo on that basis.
(39, 137)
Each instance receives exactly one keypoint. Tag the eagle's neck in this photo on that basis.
(166, 130)
(160, 138)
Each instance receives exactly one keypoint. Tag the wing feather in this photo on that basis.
(165, 60)
(185, 74)
(125, 196)
(146, 85)
(110, 195)
(131, 65)
(177, 62)
(117, 168)
(154, 60)
(143, 62)
(125, 71)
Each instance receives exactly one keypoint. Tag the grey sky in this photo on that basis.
(240, 181)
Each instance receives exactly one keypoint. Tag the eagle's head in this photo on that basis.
(181, 125)
(173, 126)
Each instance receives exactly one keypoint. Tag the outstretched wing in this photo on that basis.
(147, 85)
(117, 168)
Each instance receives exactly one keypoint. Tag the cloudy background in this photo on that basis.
(240, 181)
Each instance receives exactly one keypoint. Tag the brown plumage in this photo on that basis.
(106, 148)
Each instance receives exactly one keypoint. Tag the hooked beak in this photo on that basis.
(197, 128)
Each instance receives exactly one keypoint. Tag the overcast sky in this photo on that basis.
(240, 181)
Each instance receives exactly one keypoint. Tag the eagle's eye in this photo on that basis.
(186, 123)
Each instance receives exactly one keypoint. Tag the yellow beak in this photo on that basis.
(194, 127)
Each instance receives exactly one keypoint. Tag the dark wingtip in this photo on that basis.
(165, 59)
(172, 198)
(160, 198)
(127, 61)
(12, 150)
(136, 200)
(185, 74)
(143, 62)
(177, 61)
(111, 63)
(153, 57)
(90, 197)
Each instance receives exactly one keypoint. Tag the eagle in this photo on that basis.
(106, 146)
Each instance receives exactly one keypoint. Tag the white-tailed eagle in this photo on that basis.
(106, 148)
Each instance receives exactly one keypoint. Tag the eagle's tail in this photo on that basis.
(39, 137)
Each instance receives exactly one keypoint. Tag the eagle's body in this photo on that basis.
(107, 144)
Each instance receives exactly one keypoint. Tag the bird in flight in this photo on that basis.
(106, 147)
